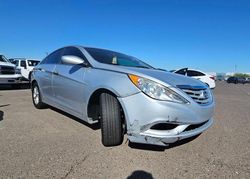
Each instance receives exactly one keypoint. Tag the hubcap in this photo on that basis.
(36, 95)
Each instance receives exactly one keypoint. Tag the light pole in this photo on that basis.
(235, 68)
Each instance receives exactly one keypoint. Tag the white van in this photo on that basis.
(9, 73)
(25, 65)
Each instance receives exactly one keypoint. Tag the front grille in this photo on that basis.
(200, 95)
(6, 70)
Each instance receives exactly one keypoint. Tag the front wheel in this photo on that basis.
(36, 97)
(16, 86)
(111, 122)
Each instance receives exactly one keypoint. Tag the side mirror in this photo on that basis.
(74, 60)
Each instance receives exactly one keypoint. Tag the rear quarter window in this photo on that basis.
(181, 72)
(195, 73)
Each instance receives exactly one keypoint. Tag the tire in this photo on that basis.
(16, 86)
(36, 97)
(111, 122)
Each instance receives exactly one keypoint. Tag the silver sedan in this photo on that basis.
(124, 94)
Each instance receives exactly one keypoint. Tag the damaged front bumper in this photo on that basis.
(156, 122)
(165, 137)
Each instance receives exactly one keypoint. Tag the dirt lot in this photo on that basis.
(48, 143)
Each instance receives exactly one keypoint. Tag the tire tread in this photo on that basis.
(111, 120)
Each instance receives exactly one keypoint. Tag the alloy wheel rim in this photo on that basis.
(36, 95)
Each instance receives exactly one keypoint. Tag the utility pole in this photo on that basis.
(235, 68)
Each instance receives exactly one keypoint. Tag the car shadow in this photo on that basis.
(95, 126)
(140, 174)
(161, 148)
(1, 115)
(139, 146)
(16, 87)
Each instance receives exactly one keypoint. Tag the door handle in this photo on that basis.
(40, 69)
(55, 73)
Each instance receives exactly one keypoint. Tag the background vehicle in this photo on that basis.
(236, 80)
(220, 78)
(9, 74)
(247, 80)
(202, 76)
(98, 85)
(26, 66)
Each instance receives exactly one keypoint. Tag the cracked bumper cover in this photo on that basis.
(142, 112)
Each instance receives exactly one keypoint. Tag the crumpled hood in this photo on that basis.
(160, 76)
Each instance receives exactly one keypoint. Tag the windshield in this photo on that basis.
(115, 58)
(33, 62)
(3, 59)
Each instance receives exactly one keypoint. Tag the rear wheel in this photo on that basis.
(111, 122)
(36, 97)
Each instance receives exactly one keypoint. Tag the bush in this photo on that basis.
(241, 75)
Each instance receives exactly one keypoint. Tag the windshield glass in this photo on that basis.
(115, 58)
(3, 59)
(33, 62)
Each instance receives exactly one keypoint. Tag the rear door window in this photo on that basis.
(23, 64)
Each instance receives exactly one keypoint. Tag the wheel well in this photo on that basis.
(33, 82)
(30, 75)
(94, 104)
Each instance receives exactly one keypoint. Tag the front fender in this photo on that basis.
(117, 83)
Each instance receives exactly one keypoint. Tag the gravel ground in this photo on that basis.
(51, 144)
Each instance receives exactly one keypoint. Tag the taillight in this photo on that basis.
(212, 77)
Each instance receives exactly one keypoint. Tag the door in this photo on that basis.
(24, 70)
(44, 72)
(68, 83)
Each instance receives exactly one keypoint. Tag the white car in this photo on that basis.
(197, 74)
(26, 65)
(9, 73)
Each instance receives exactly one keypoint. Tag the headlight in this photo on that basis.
(156, 90)
(18, 71)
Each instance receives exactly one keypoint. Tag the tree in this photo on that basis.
(241, 75)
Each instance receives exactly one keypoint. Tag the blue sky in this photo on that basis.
(212, 35)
